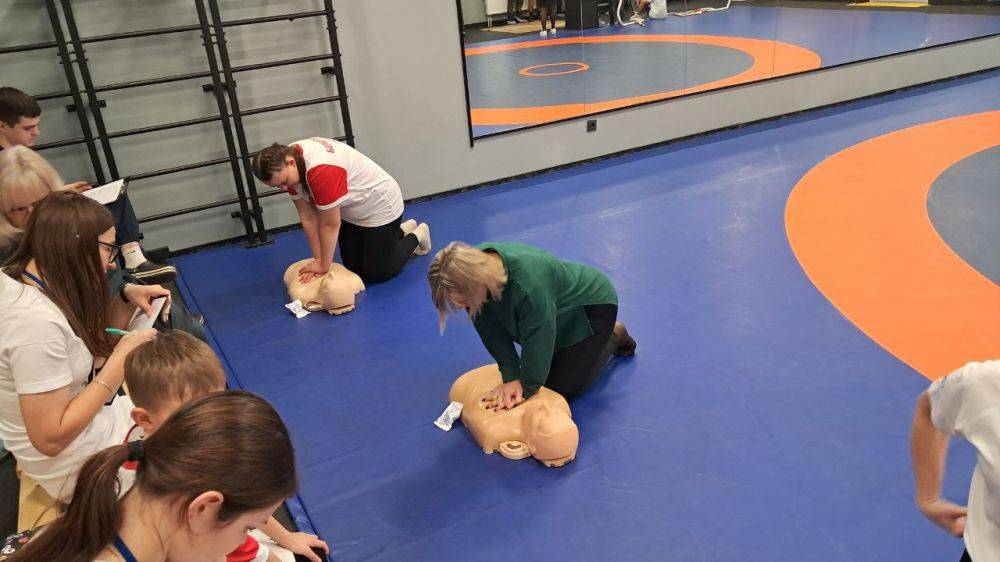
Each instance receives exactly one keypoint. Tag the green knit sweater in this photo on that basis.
(541, 308)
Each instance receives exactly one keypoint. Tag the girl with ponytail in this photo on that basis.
(218, 467)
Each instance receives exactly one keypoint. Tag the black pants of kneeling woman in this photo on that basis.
(376, 253)
(575, 368)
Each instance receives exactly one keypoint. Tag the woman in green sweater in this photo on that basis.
(562, 314)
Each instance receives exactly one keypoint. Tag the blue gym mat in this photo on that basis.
(755, 423)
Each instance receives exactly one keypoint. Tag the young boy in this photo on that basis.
(163, 374)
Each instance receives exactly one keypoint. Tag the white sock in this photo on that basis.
(133, 255)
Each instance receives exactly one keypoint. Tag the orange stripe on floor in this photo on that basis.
(770, 58)
(859, 226)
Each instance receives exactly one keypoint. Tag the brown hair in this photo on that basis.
(15, 104)
(231, 442)
(173, 365)
(270, 160)
(61, 237)
(458, 269)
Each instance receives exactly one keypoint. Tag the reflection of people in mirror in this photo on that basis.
(546, 14)
(343, 196)
(562, 314)
(657, 9)
(514, 12)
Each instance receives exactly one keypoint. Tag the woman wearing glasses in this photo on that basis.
(59, 370)
(25, 178)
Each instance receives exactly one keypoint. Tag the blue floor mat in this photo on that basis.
(755, 423)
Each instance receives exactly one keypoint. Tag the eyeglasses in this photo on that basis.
(24, 209)
(115, 250)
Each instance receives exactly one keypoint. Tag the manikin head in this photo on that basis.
(20, 115)
(334, 292)
(463, 277)
(550, 434)
(541, 426)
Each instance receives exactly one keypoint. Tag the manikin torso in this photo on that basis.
(333, 292)
(541, 426)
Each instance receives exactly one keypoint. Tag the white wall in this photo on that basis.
(473, 11)
(404, 78)
(407, 101)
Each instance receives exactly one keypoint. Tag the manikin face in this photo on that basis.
(25, 131)
(203, 539)
(286, 178)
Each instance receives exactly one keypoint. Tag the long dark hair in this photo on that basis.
(61, 237)
(231, 442)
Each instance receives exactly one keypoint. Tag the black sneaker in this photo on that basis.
(511, 21)
(154, 273)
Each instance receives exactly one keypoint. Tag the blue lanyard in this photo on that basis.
(124, 551)
(31, 276)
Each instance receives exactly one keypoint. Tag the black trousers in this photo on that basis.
(575, 368)
(377, 253)
(966, 557)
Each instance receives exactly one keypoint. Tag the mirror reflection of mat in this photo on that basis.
(526, 27)
(889, 5)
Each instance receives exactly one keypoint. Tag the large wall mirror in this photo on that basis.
(531, 62)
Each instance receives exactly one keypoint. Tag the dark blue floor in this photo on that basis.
(838, 36)
(755, 424)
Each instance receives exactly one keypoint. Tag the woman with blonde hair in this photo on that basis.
(25, 178)
(562, 314)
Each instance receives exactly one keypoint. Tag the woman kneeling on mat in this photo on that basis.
(563, 315)
(343, 196)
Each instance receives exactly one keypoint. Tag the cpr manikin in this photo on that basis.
(333, 292)
(541, 426)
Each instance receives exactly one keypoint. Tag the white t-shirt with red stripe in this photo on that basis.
(337, 175)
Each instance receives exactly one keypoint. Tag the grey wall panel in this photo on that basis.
(404, 77)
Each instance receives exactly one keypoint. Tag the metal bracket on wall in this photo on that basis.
(209, 88)
(72, 107)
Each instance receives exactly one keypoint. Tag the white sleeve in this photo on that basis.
(39, 357)
(262, 552)
(958, 399)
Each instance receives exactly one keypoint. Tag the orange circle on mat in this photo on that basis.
(770, 58)
(580, 67)
(859, 226)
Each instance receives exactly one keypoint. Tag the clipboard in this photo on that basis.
(107, 193)
(140, 321)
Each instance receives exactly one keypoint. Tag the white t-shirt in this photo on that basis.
(39, 353)
(340, 176)
(658, 9)
(967, 403)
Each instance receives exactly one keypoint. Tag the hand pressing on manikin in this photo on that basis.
(505, 396)
(312, 270)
